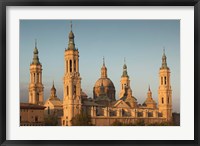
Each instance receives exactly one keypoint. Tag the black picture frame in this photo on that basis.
(5, 3)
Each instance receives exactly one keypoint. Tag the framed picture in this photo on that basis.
(103, 72)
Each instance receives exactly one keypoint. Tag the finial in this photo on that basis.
(71, 25)
(35, 43)
(103, 61)
(149, 88)
(53, 87)
(163, 50)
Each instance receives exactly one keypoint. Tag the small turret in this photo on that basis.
(53, 91)
(125, 74)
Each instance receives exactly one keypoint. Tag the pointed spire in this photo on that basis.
(71, 44)
(163, 50)
(125, 74)
(71, 25)
(103, 70)
(35, 43)
(149, 94)
(53, 88)
(53, 84)
(125, 67)
(53, 92)
(164, 60)
(35, 54)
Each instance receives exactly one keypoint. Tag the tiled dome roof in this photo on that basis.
(106, 83)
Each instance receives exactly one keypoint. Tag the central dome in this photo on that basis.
(104, 86)
(106, 82)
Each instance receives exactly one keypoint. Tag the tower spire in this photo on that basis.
(103, 61)
(53, 84)
(71, 24)
(103, 70)
(163, 50)
(36, 88)
(35, 43)
(124, 74)
(71, 44)
(164, 60)
(35, 54)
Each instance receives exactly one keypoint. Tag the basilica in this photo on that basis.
(104, 108)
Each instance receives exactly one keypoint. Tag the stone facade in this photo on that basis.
(31, 114)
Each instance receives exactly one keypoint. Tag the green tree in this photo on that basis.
(51, 121)
(82, 119)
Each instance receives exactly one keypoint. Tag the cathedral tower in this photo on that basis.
(72, 82)
(125, 82)
(36, 89)
(164, 91)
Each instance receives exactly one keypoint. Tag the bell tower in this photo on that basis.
(36, 89)
(72, 82)
(125, 82)
(165, 91)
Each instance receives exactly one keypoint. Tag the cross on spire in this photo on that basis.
(35, 43)
(164, 60)
(103, 61)
(164, 50)
(149, 88)
(71, 25)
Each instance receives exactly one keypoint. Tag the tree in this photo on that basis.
(51, 121)
(82, 119)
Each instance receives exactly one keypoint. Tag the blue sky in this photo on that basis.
(141, 42)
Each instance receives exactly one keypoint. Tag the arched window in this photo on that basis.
(37, 77)
(161, 80)
(165, 80)
(70, 65)
(162, 100)
(37, 97)
(34, 77)
(67, 90)
(75, 89)
(67, 66)
(36, 118)
(74, 65)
